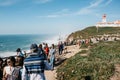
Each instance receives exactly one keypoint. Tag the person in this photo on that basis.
(60, 47)
(19, 52)
(46, 49)
(34, 65)
(19, 64)
(41, 51)
(40, 46)
(10, 72)
(19, 61)
(4, 63)
(1, 68)
(43, 45)
(52, 56)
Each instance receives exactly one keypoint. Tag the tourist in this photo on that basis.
(19, 52)
(52, 56)
(34, 65)
(60, 47)
(19, 64)
(41, 51)
(46, 49)
(4, 63)
(10, 72)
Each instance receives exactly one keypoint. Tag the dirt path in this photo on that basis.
(71, 51)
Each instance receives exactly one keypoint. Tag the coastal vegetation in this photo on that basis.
(100, 60)
(93, 31)
(99, 64)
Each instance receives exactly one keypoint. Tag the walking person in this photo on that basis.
(60, 47)
(34, 65)
(52, 56)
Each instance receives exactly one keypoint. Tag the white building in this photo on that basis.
(104, 23)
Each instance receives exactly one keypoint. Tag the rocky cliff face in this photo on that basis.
(70, 37)
(92, 32)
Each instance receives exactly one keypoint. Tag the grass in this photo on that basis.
(99, 64)
(92, 31)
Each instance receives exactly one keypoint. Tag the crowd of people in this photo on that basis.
(30, 66)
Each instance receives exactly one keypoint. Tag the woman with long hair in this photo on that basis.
(10, 72)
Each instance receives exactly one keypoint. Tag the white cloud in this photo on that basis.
(97, 3)
(49, 16)
(61, 13)
(108, 2)
(116, 16)
(52, 16)
(42, 1)
(11, 2)
(93, 6)
(7, 2)
(84, 11)
(90, 8)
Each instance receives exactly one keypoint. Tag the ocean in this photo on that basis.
(9, 43)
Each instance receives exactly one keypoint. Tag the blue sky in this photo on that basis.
(54, 16)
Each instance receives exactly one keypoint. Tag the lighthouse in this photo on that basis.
(104, 18)
(104, 23)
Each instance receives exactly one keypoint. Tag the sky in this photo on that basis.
(54, 16)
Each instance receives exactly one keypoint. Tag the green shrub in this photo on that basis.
(99, 64)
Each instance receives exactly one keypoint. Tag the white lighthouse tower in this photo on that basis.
(104, 18)
(104, 23)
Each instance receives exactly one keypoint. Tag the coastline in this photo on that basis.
(71, 51)
(9, 43)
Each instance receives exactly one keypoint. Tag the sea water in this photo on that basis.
(9, 43)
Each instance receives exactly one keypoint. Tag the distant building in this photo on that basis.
(104, 23)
